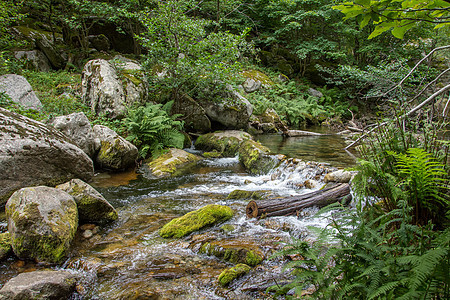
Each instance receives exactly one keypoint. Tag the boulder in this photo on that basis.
(20, 91)
(315, 93)
(170, 164)
(92, 206)
(195, 220)
(40, 285)
(232, 112)
(256, 158)
(228, 275)
(99, 42)
(194, 115)
(5, 245)
(340, 176)
(78, 128)
(34, 60)
(109, 87)
(268, 122)
(32, 153)
(42, 222)
(250, 85)
(115, 152)
(224, 142)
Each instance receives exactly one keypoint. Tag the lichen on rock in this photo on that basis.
(256, 158)
(228, 275)
(224, 142)
(195, 220)
(172, 163)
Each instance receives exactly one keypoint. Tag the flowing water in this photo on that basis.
(129, 260)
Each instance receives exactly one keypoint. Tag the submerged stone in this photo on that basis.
(195, 220)
(227, 276)
(234, 251)
(241, 195)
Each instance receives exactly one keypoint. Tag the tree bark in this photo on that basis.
(291, 205)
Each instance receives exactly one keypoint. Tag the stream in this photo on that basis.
(129, 260)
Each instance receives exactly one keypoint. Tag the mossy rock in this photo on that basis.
(227, 276)
(92, 206)
(234, 251)
(224, 142)
(195, 220)
(258, 76)
(256, 158)
(173, 163)
(5, 245)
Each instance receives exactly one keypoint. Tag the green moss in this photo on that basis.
(173, 163)
(225, 144)
(5, 245)
(255, 157)
(212, 154)
(233, 273)
(195, 220)
(135, 76)
(258, 75)
(253, 258)
(241, 194)
(227, 228)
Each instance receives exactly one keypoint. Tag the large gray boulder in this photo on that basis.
(174, 162)
(32, 153)
(109, 87)
(92, 206)
(42, 222)
(194, 116)
(78, 128)
(20, 91)
(115, 152)
(226, 143)
(232, 112)
(57, 285)
(34, 59)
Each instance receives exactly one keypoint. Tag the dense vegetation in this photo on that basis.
(367, 58)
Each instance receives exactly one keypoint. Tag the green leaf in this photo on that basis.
(379, 30)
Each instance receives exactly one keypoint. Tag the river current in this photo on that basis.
(129, 260)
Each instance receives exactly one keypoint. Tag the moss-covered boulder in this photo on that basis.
(92, 206)
(256, 158)
(234, 251)
(255, 78)
(195, 220)
(228, 275)
(173, 163)
(115, 152)
(32, 153)
(5, 245)
(242, 194)
(224, 142)
(42, 222)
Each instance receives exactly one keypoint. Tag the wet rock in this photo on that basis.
(195, 220)
(227, 276)
(256, 158)
(5, 245)
(234, 251)
(225, 142)
(87, 234)
(92, 206)
(232, 112)
(108, 89)
(42, 222)
(311, 184)
(194, 116)
(40, 285)
(34, 60)
(115, 152)
(32, 153)
(340, 176)
(78, 128)
(173, 163)
(20, 91)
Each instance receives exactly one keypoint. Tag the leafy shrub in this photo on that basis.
(151, 129)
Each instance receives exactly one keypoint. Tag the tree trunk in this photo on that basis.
(291, 205)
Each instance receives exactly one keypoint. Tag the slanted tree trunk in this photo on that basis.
(291, 205)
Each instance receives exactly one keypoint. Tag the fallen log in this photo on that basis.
(295, 133)
(291, 205)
